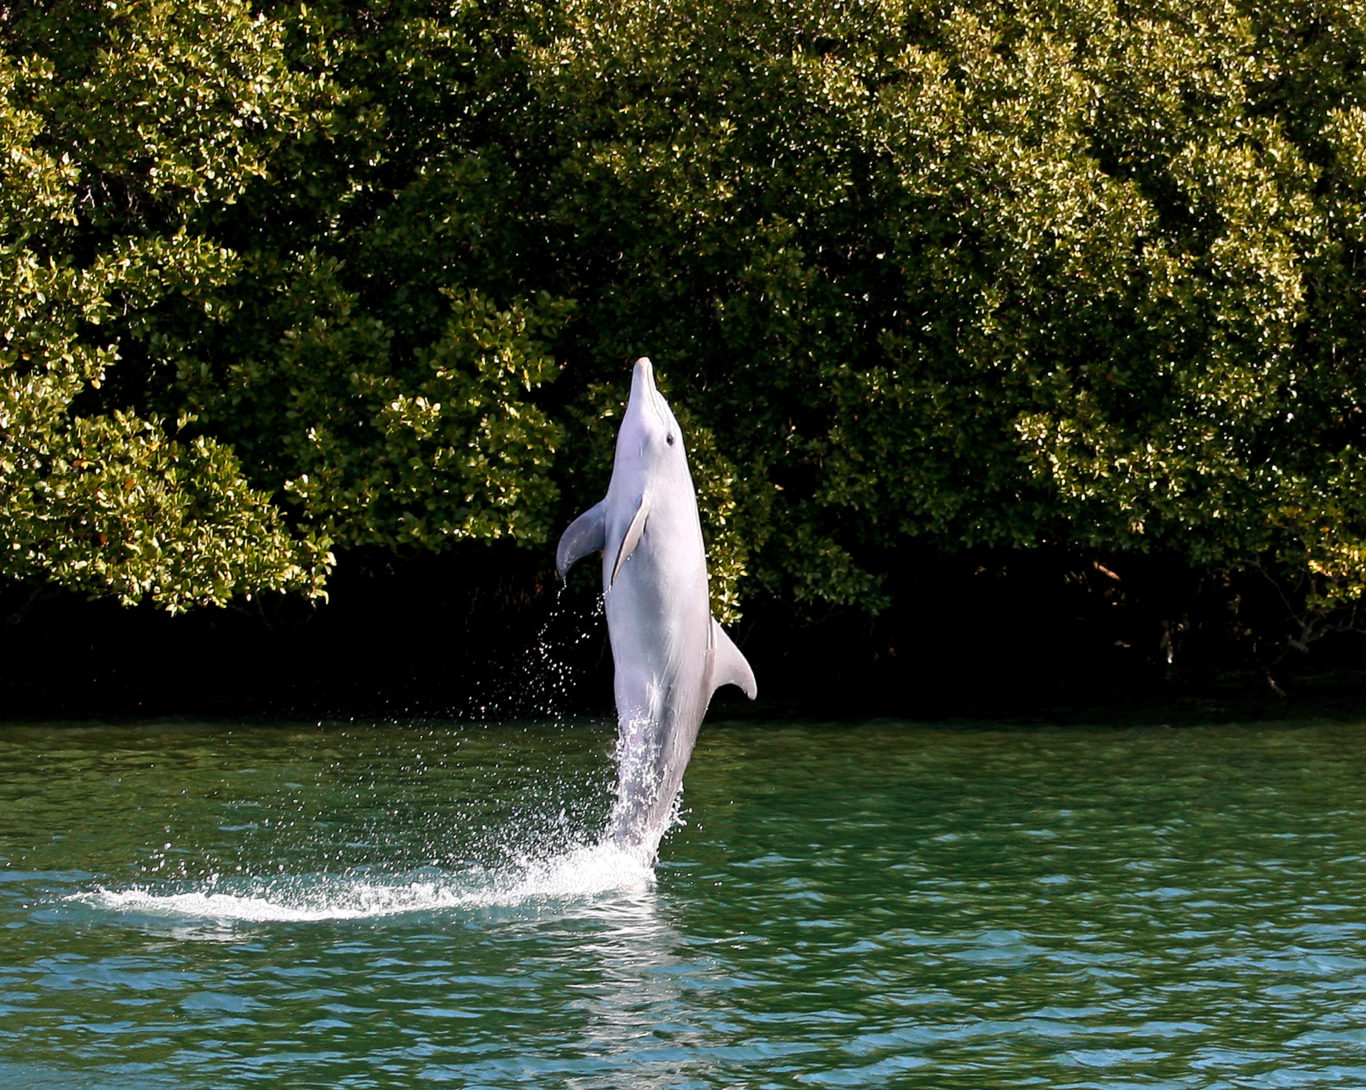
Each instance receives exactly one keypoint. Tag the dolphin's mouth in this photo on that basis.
(643, 378)
(643, 387)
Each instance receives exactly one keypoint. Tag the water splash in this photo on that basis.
(580, 874)
(539, 682)
(641, 814)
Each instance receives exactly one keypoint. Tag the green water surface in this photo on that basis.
(880, 905)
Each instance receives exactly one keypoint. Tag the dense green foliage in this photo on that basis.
(282, 279)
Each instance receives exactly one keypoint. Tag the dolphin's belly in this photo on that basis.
(659, 627)
(659, 623)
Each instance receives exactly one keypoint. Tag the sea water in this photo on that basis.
(867, 905)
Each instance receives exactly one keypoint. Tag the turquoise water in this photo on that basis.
(847, 906)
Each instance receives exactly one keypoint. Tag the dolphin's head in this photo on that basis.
(649, 430)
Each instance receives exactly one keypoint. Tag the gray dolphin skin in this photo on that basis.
(670, 654)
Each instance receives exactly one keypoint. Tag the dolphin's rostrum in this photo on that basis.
(669, 652)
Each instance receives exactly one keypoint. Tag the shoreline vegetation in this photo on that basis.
(1017, 347)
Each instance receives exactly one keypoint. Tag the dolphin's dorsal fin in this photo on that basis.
(729, 666)
(586, 534)
(631, 538)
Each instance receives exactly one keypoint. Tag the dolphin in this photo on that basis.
(669, 652)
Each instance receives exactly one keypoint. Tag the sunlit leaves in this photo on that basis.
(966, 275)
(113, 129)
(983, 274)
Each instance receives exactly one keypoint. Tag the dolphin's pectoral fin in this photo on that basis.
(631, 538)
(729, 666)
(586, 534)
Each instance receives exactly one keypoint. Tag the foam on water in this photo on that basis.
(583, 872)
